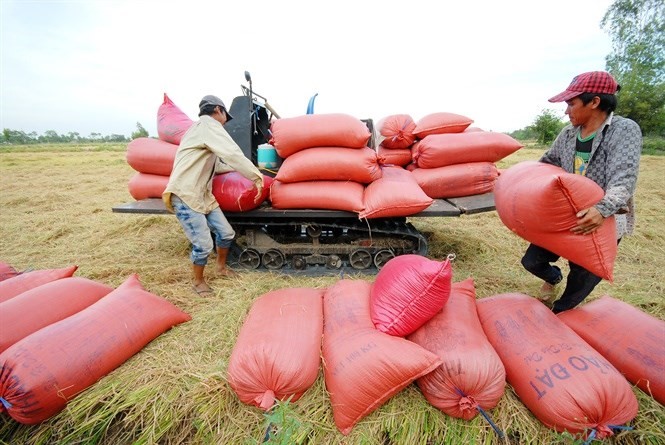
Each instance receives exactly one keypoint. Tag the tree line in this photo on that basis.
(19, 137)
(637, 62)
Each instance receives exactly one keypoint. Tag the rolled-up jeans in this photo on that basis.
(198, 227)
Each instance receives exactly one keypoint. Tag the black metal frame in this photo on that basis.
(249, 128)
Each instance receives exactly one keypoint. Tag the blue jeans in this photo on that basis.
(579, 284)
(197, 227)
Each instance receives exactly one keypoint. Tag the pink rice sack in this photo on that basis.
(408, 291)
(172, 122)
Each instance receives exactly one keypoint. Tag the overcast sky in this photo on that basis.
(103, 65)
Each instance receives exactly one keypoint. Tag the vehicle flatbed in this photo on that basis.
(318, 242)
(313, 241)
(440, 207)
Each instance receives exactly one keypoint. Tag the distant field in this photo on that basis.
(56, 211)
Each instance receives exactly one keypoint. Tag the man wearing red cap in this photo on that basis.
(605, 148)
(205, 150)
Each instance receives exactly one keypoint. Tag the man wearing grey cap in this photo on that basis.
(205, 150)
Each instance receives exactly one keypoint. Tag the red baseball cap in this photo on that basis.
(599, 82)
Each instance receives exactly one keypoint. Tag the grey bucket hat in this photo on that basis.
(216, 101)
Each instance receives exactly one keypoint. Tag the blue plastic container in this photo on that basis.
(267, 156)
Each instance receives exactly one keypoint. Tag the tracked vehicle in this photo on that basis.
(312, 242)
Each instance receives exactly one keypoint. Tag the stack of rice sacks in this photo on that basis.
(153, 161)
(373, 339)
(326, 162)
(394, 139)
(153, 158)
(61, 334)
(450, 159)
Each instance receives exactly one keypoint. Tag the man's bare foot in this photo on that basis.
(202, 289)
(547, 292)
(225, 272)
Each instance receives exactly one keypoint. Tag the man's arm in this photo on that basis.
(232, 158)
(625, 148)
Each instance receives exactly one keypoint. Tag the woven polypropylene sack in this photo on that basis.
(471, 376)
(396, 193)
(153, 156)
(562, 380)
(439, 150)
(14, 286)
(172, 122)
(407, 292)
(145, 185)
(46, 369)
(396, 131)
(235, 193)
(640, 355)
(452, 181)
(393, 156)
(44, 305)
(290, 135)
(331, 164)
(441, 123)
(278, 351)
(326, 195)
(539, 202)
(7, 271)
(363, 367)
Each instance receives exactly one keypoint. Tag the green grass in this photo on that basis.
(64, 147)
(651, 145)
(56, 211)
